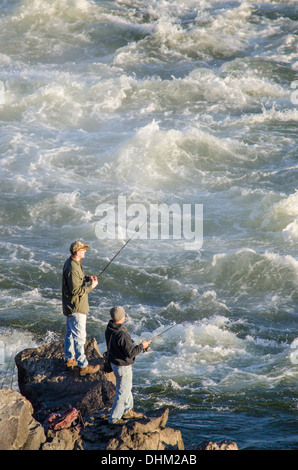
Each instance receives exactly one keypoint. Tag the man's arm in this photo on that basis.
(76, 286)
(130, 349)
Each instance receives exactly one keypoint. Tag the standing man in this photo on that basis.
(122, 352)
(75, 289)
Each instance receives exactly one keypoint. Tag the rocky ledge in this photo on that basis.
(57, 409)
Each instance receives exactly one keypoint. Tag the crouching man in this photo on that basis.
(122, 352)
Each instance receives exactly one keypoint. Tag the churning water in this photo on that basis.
(189, 101)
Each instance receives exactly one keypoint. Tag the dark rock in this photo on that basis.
(45, 382)
(219, 445)
(148, 433)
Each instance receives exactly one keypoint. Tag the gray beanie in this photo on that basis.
(117, 313)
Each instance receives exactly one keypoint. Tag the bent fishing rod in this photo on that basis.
(127, 242)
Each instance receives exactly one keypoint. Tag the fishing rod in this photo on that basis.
(156, 336)
(127, 242)
(119, 251)
(165, 331)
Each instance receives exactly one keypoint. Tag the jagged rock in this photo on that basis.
(148, 433)
(219, 445)
(45, 382)
(65, 439)
(18, 429)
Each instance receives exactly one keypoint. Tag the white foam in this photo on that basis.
(157, 157)
(287, 206)
(63, 209)
(193, 346)
(12, 341)
(283, 216)
(290, 232)
(271, 115)
(208, 351)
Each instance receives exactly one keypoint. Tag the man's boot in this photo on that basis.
(70, 364)
(132, 414)
(89, 370)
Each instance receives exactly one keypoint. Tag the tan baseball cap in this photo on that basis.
(76, 246)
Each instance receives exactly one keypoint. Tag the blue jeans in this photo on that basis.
(123, 401)
(75, 339)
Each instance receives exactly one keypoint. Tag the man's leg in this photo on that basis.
(123, 400)
(69, 353)
(75, 344)
(78, 331)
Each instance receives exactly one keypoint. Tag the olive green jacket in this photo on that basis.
(75, 289)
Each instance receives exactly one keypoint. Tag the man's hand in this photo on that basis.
(145, 345)
(94, 281)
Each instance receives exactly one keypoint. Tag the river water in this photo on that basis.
(190, 102)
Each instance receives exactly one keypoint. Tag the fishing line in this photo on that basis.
(118, 252)
(127, 242)
(175, 324)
